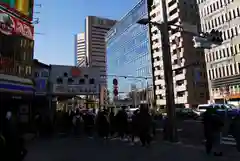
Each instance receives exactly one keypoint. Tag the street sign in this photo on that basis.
(203, 43)
(115, 87)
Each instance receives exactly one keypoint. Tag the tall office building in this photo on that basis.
(222, 66)
(128, 51)
(190, 83)
(80, 50)
(95, 29)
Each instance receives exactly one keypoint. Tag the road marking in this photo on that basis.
(161, 129)
(229, 140)
(192, 121)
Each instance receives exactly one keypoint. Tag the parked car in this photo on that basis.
(222, 109)
(187, 113)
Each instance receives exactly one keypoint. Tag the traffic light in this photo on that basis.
(115, 87)
(215, 36)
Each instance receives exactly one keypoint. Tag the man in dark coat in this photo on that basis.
(212, 130)
(122, 122)
(144, 124)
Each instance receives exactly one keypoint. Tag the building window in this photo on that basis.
(91, 81)
(81, 81)
(59, 80)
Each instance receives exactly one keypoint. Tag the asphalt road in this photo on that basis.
(85, 149)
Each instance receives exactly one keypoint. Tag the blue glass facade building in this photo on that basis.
(128, 49)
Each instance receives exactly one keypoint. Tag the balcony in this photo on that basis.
(160, 91)
(174, 16)
(158, 63)
(172, 7)
(161, 102)
(175, 57)
(181, 88)
(158, 72)
(180, 76)
(160, 82)
(156, 45)
(156, 54)
(181, 100)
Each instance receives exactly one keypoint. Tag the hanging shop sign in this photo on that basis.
(10, 25)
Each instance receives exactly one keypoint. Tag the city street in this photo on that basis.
(73, 149)
(191, 132)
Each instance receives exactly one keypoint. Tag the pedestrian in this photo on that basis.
(103, 124)
(212, 131)
(12, 139)
(37, 124)
(112, 122)
(134, 126)
(144, 124)
(122, 122)
(89, 123)
(77, 122)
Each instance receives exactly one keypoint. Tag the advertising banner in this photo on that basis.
(10, 25)
(23, 8)
(75, 89)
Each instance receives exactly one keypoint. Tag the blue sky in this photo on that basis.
(60, 20)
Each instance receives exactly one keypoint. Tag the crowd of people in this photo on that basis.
(108, 124)
(105, 124)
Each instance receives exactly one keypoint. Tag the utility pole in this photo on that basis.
(171, 131)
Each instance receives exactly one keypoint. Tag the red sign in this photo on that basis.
(10, 25)
(115, 92)
(75, 72)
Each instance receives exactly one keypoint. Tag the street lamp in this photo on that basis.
(171, 132)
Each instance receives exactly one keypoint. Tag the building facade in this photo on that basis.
(40, 77)
(80, 50)
(222, 66)
(128, 52)
(72, 81)
(95, 30)
(190, 83)
(16, 55)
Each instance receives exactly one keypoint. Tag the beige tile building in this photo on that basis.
(223, 67)
(190, 83)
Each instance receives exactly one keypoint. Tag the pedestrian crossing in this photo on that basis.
(229, 140)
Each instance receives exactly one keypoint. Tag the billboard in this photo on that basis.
(23, 8)
(71, 80)
(10, 25)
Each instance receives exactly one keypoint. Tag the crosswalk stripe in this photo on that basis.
(229, 140)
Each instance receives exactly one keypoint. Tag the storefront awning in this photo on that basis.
(16, 84)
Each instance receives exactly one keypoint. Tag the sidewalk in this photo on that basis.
(174, 151)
